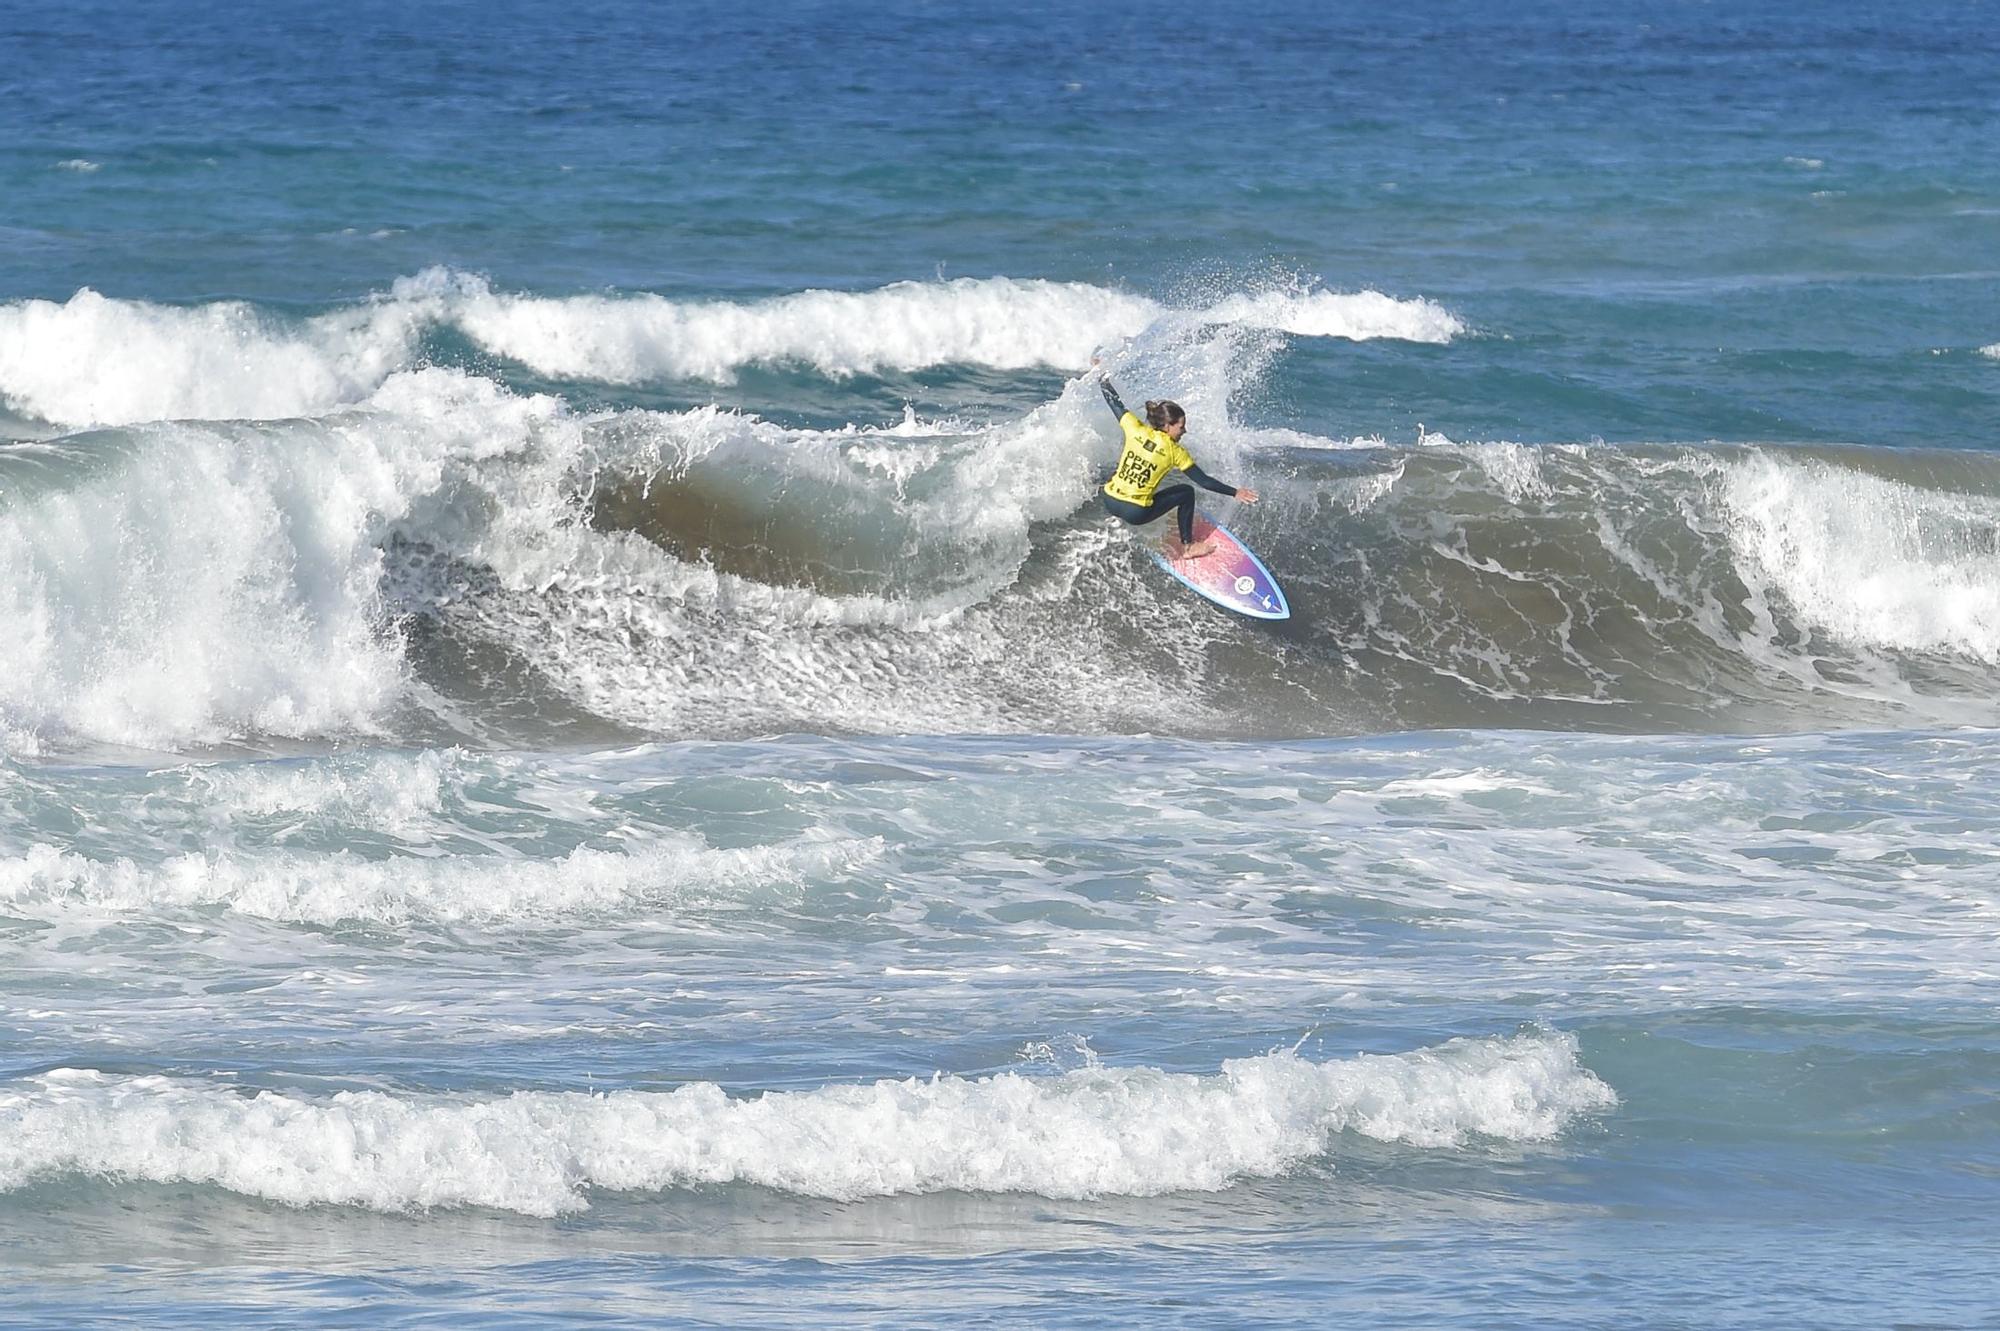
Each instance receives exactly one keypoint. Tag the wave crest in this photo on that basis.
(98, 361)
(1087, 1133)
(997, 323)
(93, 360)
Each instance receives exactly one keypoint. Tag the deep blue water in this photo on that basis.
(575, 748)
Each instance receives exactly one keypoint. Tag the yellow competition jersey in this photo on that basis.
(1149, 455)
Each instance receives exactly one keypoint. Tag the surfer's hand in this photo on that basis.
(1247, 495)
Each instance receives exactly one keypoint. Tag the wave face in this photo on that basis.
(281, 531)
(1089, 1133)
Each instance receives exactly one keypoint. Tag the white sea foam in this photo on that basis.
(1357, 316)
(1515, 469)
(1276, 437)
(1993, 350)
(399, 793)
(1454, 785)
(80, 165)
(1000, 322)
(343, 888)
(191, 583)
(94, 360)
(1878, 563)
(1091, 1132)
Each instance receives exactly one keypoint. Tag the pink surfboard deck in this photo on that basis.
(1230, 575)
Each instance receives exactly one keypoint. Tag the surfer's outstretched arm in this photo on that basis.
(1208, 482)
(1111, 396)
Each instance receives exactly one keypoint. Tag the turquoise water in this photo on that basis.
(575, 748)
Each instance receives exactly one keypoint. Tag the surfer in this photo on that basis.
(1152, 449)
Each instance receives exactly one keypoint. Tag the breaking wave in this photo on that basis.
(93, 360)
(1087, 1133)
(431, 554)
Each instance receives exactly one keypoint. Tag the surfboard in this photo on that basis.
(1229, 575)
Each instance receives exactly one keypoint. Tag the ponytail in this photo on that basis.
(1163, 413)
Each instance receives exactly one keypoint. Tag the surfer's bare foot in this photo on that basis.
(1195, 551)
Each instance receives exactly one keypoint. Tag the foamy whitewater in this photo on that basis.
(576, 746)
(92, 360)
(1082, 1134)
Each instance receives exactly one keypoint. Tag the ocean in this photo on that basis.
(576, 749)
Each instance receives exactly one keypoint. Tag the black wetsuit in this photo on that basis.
(1177, 499)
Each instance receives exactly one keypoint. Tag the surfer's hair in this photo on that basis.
(1163, 413)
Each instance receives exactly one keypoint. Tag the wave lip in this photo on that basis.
(189, 583)
(1087, 1133)
(1877, 562)
(94, 360)
(999, 323)
(97, 361)
(1357, 316)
